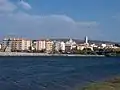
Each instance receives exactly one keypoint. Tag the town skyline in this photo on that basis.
(61, 38)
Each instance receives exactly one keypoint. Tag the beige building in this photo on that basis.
(80, 47)
(16, 44)
(49, 45)
(83, 46)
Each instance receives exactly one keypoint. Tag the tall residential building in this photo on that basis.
(49, 45)
(26, 44)
(41, 45)
(7, 44)
(15, 44)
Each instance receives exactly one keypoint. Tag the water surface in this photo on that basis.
(54, 73)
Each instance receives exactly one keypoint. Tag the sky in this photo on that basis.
(97, 19)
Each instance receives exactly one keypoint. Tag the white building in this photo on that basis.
(26, 44)
(62, 46)
(70, 43)
(86, 40)
(0, 46)
(103, 45)
(41, 45)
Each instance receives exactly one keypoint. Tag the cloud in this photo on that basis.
(36, 26)
(25, 5)
(6, 6)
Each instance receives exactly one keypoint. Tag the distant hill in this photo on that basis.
(79, 41)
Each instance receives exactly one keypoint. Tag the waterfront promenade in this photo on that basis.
(43, 54)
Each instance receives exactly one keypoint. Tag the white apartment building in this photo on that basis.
(41, 45)
(26, 44)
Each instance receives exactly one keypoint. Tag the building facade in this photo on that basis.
(62, 46)
(16, 44)
(26, 44)
(49, 45)
(41, 45)
(57, 46)
(6, 44)
(70, 44)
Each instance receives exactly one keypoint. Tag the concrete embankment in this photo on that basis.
(44, 54)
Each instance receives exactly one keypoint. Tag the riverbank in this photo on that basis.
(112, 84)
(44, 54)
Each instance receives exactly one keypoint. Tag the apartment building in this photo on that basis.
(26, 44)
(6, 44)
(41, 45)
(49, 45)
(16, 44)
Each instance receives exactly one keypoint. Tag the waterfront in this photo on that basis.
(45, 54)
(55, 73)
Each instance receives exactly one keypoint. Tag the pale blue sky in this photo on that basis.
(98, 19)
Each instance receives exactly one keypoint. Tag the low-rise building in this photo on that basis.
(83, 46)
(80, 47)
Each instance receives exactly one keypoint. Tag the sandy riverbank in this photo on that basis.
(44, 54)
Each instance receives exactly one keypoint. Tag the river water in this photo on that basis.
(54, 73)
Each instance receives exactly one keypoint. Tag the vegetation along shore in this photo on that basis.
(112, 84)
